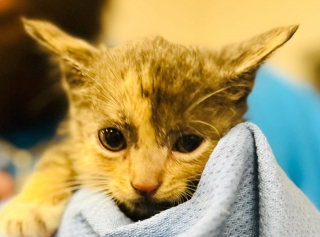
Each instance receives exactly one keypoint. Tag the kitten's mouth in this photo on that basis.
(146, 207)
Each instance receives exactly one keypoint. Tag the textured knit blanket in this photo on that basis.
(242, 192)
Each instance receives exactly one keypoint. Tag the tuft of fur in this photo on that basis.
(151, 90)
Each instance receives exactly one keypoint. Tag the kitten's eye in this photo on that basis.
(187, 143)
(112, 139)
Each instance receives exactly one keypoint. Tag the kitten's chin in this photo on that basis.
(145, 208)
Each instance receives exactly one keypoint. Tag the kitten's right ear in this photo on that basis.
(67, 47)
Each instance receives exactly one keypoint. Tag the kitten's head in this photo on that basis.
(144, 117)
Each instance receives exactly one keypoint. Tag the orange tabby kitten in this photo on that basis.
(143, 119)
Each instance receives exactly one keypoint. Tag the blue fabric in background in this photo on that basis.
(289, 116)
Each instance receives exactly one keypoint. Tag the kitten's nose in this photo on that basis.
(145, 189)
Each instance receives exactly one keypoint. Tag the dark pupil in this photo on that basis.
(188, 143)
(114, 138)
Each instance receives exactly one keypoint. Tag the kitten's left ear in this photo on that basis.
(251, 53)
(65, 46)
(237, 64)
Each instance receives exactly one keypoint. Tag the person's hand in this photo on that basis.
(6, 185)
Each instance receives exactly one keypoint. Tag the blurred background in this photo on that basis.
(285, 102)
(213, 23)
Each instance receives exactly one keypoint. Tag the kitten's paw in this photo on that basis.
(29, 219)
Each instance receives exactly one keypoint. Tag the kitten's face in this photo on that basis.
(144, 125)
(144, 117)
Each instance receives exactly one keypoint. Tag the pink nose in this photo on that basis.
(145, 189)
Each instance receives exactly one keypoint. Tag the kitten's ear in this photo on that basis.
(239, 63)
(70, 48)
(251, 53)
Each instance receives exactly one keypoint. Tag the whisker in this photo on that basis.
(189, 194)
(192, 189)
(232, 110)
(185, 196)
(91, 175)
(79, 183)
(95, 81)
(195, 104)
(210, 125)
(87, 200)
(197, 132)
(97, 99)
(78, 186)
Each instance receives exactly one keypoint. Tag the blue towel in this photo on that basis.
(242, 192)
(289, 115)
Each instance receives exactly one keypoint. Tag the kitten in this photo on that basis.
(143, 119)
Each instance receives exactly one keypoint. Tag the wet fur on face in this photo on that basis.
(152, 91)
